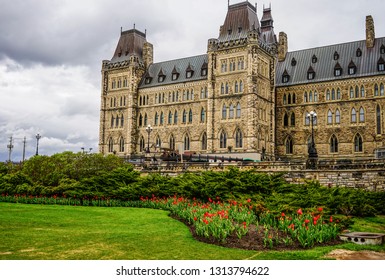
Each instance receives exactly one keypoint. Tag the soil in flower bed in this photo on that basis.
(253, 240)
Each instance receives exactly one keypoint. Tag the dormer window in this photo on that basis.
(381, 64)
(358, 52)
(147, 79)
(204, 69)
(285, 77)
(352, 68)
(310, 73)
(293, 62)
(175, 74)
(336, 55)
(161, 76)
(314, 59)
(337, 70)
(189, 71)
(382, 49)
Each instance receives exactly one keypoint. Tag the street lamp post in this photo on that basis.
(312, 151)
(148, 129)
(38, 136)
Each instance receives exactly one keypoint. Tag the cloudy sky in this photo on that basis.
(51, 53)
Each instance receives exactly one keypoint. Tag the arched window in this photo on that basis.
(169, 117)
(141, 144)
(284, 99)
(145, 120)
(289, 145)
(224, 111)
(328, 95)
(121, 145)
(358, 143)
(161, 120)
(113, 121)
(122, 121)
(362, 91)
(227, 88)
(294, 98)
(236, 87)
(222, 88)
(333, 144)
(184, 117)
(354, 115)
(382, 89)
(333, 94)
(305, 97)
(375, 90)
(238, 115)
(158, 142)
(330, 117)
(231, 111)
(203, 115)
(238, 139)
(240, 86)
(310, 96)
(172, 142)
(338, 94)
(357, 92)
(289, 99)
(285, 120)
(338, 116)
(156, 118)
(223, 140)
(140, 120)
(204, 141)
(110, 145)
(351, 92)
(378, 119)
(307, 119)
(176, 117)
(190, 116)
(362, 115)
(186, 143)
(292, 119)
(315, 96)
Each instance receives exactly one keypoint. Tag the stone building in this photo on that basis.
(247, 96)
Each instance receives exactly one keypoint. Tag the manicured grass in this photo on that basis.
(68, 232)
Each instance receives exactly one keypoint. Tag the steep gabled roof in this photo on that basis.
(366, 62)
(174, 66)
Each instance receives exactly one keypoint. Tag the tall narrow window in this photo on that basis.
(292, 119)
(238, 115)
(338, 93)
(284, 99)
(378, 119)
(338, 116)
(285, 120)
(375, 90)
(110, 145)
(231, 111)
(362, 115)
(172, 142)
(289, 145)
(121, 145)
(186, 143)
(224, 112)
(113, 121)
(362, 91)
(204, 141)
(236, 87)
(158, 142)
(307, 119)
(145, 120)
(122, 121)
(333, 144)
(141, 144)
(358, 143)
(223, 140)
(330, 117)
(238, 139)
(203, 115)
(190, 116)
(169, 117)
(140, 120)
(328, 94)
(354, 115)
(382, 89)
(156, 118)
(240, 86)
(176, 117)
(161, 120)
(184, 117)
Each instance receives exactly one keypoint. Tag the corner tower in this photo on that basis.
(120, 79)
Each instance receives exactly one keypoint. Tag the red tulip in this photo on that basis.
(299, 212)
(307, 221)
(283, 214)
(331, 219)
(320, 209)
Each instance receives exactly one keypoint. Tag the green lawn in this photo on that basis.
(68, 232)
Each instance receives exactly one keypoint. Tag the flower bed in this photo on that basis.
(224, 223)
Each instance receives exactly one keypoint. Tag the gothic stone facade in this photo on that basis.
(246, 96)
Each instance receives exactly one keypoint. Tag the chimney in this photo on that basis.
(370, 35)
(282, 46)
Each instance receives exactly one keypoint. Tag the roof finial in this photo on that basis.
(121, 30)
(134, 25)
